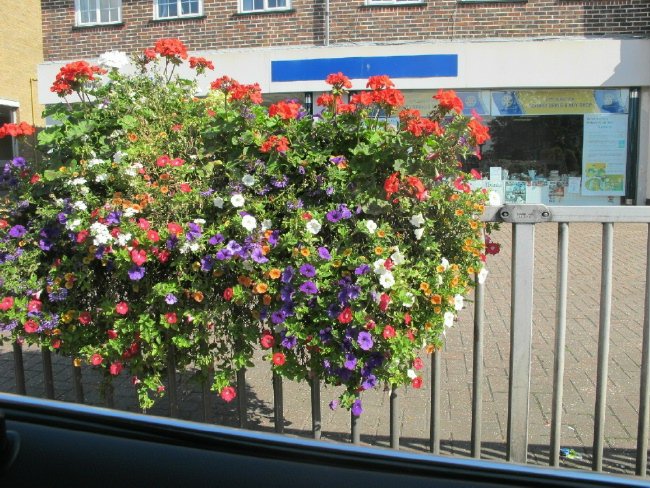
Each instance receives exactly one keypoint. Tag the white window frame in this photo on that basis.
(179, 9)
(77, 14)
(265, 9)
(392, 2)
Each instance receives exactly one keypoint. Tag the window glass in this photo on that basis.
(177, 8)
(98, 11)
(262, 5)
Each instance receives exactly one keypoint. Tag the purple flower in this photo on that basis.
(136, 273)
(113, 218)
(287, 275)
(365, 340)
(170, 299)
(194, 232)
(361, 270)
(329, 191)
(233, 247)
(278, 317)
(369, 382)
(356, 408)
(274, 238)
(350, 362)
(309, 287)
(333, 216)
(45, 244)
(334, 404)
(288, 341)
(207, 263)
(258, 256)
(216, 239)
(18, 162)
(307, 270)
(323, 253)
(325, 335)
(17, 231)
(207, 192)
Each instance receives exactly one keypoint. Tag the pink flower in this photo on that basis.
(416, 382)
(384, 301)
(185, 188)
(228, 394)
(122, 308)
(112, 333)
(96, 359)
(139, 256)
(6, 303)
(279, 359)
(34, 306)
(267, 340)
(418, 364)
(389, 332)
(30, 326)
(143, 224)
(171, 317)
(115, 368)
(85, 318)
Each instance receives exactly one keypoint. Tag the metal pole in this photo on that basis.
(603, 345)
(560, 334)
(644, 397)
(278, 403)
(355, 429)
(48, 376)
(171, 378)
(19, 369)
(316, 423)
(434, 423)
(521, 324)
(477, 374)
(78, 385)
(242, 397)
(394, 418)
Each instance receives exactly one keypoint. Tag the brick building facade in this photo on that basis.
(545, 57)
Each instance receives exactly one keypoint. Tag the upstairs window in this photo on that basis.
(391, 2)
(264, 5)
(171, 9)
(93, 12)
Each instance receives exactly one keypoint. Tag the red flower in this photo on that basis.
(56, 343)
(492, 248)
(34, 306)
(418, 364)
(174, 228)
(153, 236)
(345, 108)
(380, 82)
(72, 76)
(252, 93)
(185, 188)
(407, 318)
(85, 318)
(388, 332)
(280, 144)
(200, 64)
(139, 256)
(96, 359)
(171, 317)
(391, 185)
(325, 100)
(384, 301)
(111, 333)
(338, 80)
(16, 130)
(417, 185)
(267, 340)
(163, 256)
(143, 224)
(162, 161)
(115, 368)
(476, 174)
(449, 101)
(345, 316)
(35, 178)
(82, 236)
(6, 303)
(478, 131)
(279, 359)
(30, 326)
(228, 294)
(122, 308)
(416, 382)
(177, 162)
(362, 98)
(3, 223)
(228, 394)
(285, 110)
(370, 325)
(172, 49)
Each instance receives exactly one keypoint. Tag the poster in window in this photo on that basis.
(604, 154)
(515, 191)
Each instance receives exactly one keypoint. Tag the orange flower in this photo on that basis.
(454, 197)
(267, 299)
(164, 189)
(436, 299)
(266, 250)
(275, 273)
(437, 309)
(381, 233)
(424, 286)
(459, 212)
(440, 268)
(245, 281)
(430, 348)
(379, 250)
(305, 251)
(473, 224)
(164, 176)
(132, 137)
(261, 288)
(198, 296)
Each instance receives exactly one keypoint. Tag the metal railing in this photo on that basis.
(523, 218)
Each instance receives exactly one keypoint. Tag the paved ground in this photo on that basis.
(456, 384)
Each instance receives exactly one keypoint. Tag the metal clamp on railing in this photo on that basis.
(525, 214)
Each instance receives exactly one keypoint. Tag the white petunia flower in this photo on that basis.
(417, 220)
(248, 222)
(94, 162)
(410, 300)
(266, 224)
(494, 198)
(444, 262)
(314, 226)
(130, 212)
(189, 247)
(387, 279)
(411, 374)
(378, 267)
(458, 302)
(101, 177)
(73, 224)
(482, 275)
(237, 200)
(79, 205)
(118, 156)
(248, 180)
(418, 233)
(78, 181)
(397, 257)
(199, 221)
(114, 59)
(371, 226)
(123, 239)
(218, 202)
(449, 319)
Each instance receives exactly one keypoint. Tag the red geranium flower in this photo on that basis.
(449, 101)
(228, 294)
(172, 49)
(389, 332)
(30, 326)
(96, 359)
(285, 110)
(391, 185)
(228, 394)
(85, 318)
(338, 80)
(279, 359)
(200, 64)
(267, 340)
(345, 316)
(416, 382)
(122, 308)
(6, 303)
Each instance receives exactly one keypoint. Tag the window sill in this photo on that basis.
(96, 26)
(184, 17)
(469, 2)
(394, 4)
(265, 12)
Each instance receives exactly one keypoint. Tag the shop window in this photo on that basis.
(96, 12)
(7, 144)
(248, 6)
(172, 9)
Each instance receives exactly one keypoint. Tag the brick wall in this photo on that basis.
(351, 21)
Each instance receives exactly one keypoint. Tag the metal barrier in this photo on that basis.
(523, 218)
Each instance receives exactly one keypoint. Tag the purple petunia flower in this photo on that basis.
(288, 341)
(17, 231)
(307, 270)
(170, 299)
(194, 232)
(216, 239)
(369, 382)
(323, 253)
(287, 275)
(365, 340)
(113, 218)
(350, 362)
(333, 216)
(18, 162)
(136, 273)
(207, 192)
(361, 270)
(334, 404)
(356, 408)
(274, 238)
(45, 244)
(309, 288)
(278, 317)
(207, 263)
(258, 256)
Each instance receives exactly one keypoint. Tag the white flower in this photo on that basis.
(444, 262)
(378, 267)
(237, 200)
(78, 181)
(440, 281)
(409, 300)
(266, 224)
(449, 319)
(418, 233)
(248, 180)
(95, 162)
(248, 222)
(79, 205)
(417, 220)
(218, 202)
(411, 374)
(371, 226)
(114, 59)
(130, 212)
(101, 177)
(189, 247)
(314, 226)
(458, 302)
(199, 221)
(386, 279)
(397, 258)
(123, 239)
(101, 233)
(482, 275)
(73, 224)
(117, 157)
(494, 198)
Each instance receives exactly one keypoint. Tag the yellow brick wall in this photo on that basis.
(21, 50)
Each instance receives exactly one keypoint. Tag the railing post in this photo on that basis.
(521, 324)
(477, 370)
(19, 369)
(434, 422)
(278, 403)
(355, 428)
(171, 378)
(316, 422)
(242, 397)
(394, 418)
(76, 378)
(644, 396)
(48, 376)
